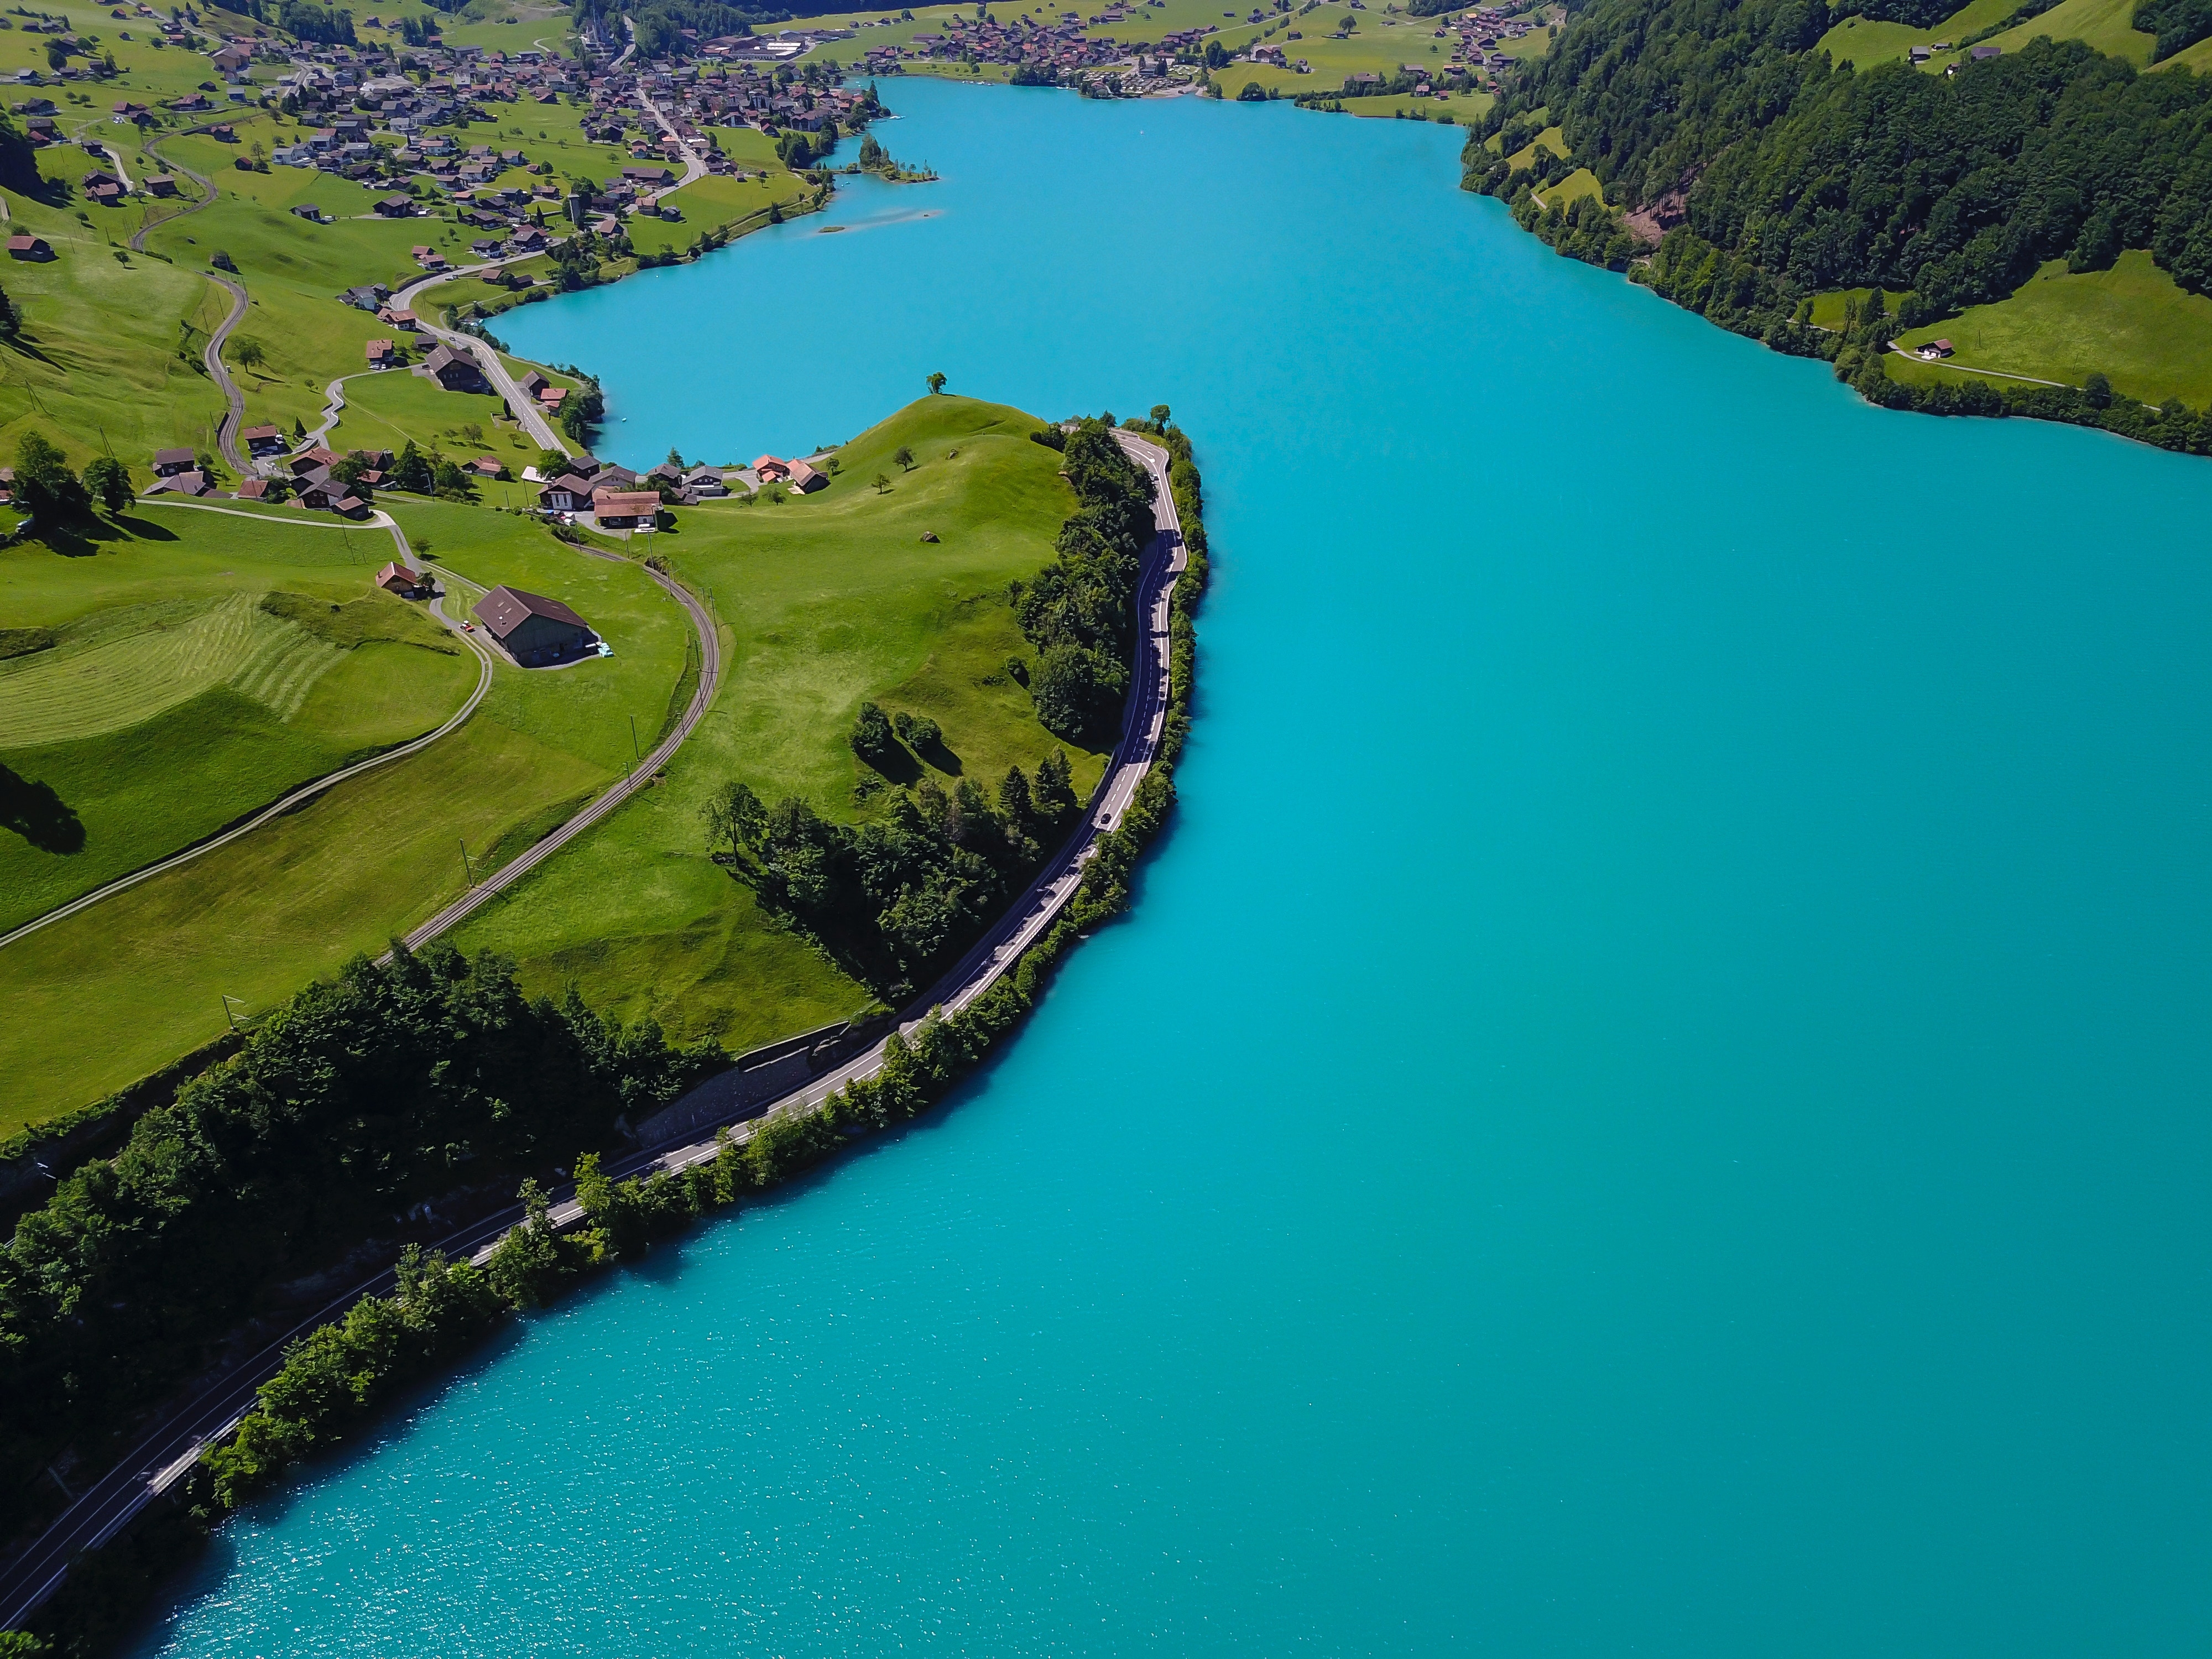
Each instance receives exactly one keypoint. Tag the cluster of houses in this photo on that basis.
(1057, 48)
(616, 498)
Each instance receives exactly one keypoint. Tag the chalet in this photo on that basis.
(190, 483)
(330, 495)
(429, 259)
(704, 482)
(1982, 54)
(314, 460)
(649, 175)
(380, 354)
(169, 463)
(397, 577)
(625, 509)
(551, 398)
(1935, 348)
(394, 206)
(531, 627)
(405, 321)
(566, 494)
(29, 247)
(455, 371)
(533, 383)
(488, 466)
(161, 184)
(806, 479)
(770, 469)
(253, 489)
(308, 212)
(262, 440)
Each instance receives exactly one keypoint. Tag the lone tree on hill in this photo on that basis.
(882, 482)
(936, 384)
(109, 481)
(904, 457)
(247, 352)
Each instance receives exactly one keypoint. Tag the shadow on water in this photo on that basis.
(34, 811)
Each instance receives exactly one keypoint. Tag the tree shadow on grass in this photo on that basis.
(940, 756)
(39, 815)
(897, 763)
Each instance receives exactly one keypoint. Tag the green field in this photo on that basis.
(106, 996)
(824, 601)
(201, 665)
(2105, 25)
(2152, 339)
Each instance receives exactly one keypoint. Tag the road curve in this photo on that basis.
(166, 1451)
(225, 434)
(523, 407)
(710, 674)
(306, 792)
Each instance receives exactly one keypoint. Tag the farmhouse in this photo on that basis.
(397, 577)
(770, 469)
(805, 478)
(454, 370)
(167, 463)
(262, 440)
(625, 509)
(531, 627)
(29, 247)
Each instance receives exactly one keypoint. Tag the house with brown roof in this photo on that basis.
(625, 509)
(29, 247)
(770, 469)
(181, 484)
(454, 370)
(397, 577)
(169, 463)
(532, 628)
(262, 440)
(805, 478)
(566, 494)
(378, 353)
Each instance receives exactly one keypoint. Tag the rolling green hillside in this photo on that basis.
(824, 601)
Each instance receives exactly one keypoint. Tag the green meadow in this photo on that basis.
(2132, 323)
(2105, 25)
(824, 601)
(186, 668)
(104, 997)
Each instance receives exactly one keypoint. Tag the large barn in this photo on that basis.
(532, 629)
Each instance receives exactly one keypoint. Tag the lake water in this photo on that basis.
(1655, 1100)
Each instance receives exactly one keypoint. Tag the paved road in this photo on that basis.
(306, 792)
(166, 1451)
(520, 403)
(694, 168)
(226, 432)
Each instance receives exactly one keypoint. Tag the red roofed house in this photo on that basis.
(395, 577)
(770, 470)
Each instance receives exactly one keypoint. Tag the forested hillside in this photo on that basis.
(1774, 174)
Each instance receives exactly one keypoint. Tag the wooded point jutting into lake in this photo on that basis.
(600, 600)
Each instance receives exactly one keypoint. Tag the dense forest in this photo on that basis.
(1768, 173)
(360, 1099)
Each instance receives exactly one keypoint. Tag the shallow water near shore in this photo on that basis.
(1654, 1099)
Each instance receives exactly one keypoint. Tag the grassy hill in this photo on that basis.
(824, 601)
(2132, 324)
(106, 996)
(192, 668)
(2104, 25)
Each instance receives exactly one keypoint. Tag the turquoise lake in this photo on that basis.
(1655, 1100)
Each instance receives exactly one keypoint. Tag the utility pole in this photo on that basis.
(469, 869)
(636, 756)
(227, 1000)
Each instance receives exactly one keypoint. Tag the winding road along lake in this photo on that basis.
(1655, 1101)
